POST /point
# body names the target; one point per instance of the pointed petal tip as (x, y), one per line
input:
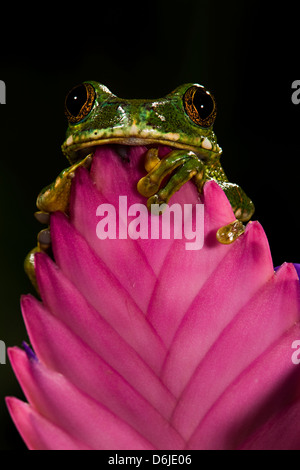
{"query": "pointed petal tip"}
(257, 236)
(43, 263)
(18, 411)
(217, 207)
(21, 414)
(20, 362)
(28, 302)
(37, 432)
(16, 407)
(213, 191)
(287, 269)
(14, 353)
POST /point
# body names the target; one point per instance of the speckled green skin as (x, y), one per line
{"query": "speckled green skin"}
(138, 122)
(160, 121)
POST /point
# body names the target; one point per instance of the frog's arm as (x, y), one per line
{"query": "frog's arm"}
(55, 197)
(191, 166)
(149, 186)
(241, 204)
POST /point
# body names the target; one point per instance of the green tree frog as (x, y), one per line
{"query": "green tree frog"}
(182, 120)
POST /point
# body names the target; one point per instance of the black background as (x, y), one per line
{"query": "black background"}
(245, 53)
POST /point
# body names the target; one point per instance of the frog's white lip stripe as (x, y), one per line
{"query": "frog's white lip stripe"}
(72, 148)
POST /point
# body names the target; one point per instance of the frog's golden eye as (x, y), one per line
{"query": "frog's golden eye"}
(79, 102)
(200, 106)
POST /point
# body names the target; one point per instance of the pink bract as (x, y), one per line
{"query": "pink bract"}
(143, 344)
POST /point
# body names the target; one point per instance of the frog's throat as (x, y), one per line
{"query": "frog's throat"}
(76, 150)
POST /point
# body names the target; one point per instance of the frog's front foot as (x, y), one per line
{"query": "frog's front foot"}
(243, 209)
(54, 197)
(152, 185)
(162, 181)
(230, 232)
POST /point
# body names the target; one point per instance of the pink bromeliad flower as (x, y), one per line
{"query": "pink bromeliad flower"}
(141, 343)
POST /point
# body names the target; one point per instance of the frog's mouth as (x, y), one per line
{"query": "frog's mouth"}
(123, 150)
(75, 151)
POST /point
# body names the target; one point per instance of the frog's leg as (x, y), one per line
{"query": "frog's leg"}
(242, 206)
(54, 197)
(188, 164)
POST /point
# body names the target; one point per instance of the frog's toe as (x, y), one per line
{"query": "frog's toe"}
(44, 240)
(56, 196)
(187, 171)
(149, 184)
(29, 267)
(230, 232)
(151, 158)
(245, 213)
(186, 164)
(42, 217)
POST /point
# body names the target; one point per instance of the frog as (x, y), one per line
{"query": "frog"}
(181, 120)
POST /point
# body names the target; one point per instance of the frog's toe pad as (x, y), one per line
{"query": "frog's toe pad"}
(29, 266)
(230, 232)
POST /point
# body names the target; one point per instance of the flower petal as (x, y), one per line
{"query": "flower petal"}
(281, 432)
(238, 345)
(263, 388)
(102, 290)
(56, 399)
(106, 165)
(123, 257)
(64, 301)
(245, 268)
(185, 272)
(78, 363)
(38, 432)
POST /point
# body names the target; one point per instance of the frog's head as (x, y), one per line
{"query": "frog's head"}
(182, 119)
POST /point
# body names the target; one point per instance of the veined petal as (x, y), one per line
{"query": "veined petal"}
(123, 257)
(56, 399)
(78, 363)
(64, 301)
(185, 272)
(102, 290)
(245, 268)
(273, 309)
(129, 172)
(38, 432)
(266, 386)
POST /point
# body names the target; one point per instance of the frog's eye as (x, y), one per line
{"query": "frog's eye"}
(200, 106)
(79, 102)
